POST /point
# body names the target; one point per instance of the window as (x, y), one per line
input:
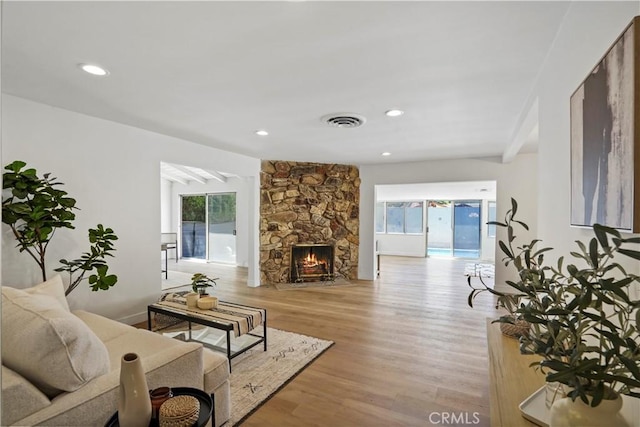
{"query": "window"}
(395, 217)
(491, 216)
(403, 217)
(413, 218)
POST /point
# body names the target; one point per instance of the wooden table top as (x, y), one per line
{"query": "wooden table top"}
(511, 378)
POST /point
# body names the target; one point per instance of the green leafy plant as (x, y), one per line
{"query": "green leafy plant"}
(584, 324)
(34, 208)
(200, 282)
(101, 240)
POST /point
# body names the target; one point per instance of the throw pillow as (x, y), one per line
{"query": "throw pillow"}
(47, 345)
(52, 287)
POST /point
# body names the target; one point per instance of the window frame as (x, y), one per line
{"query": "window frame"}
(495, 214)
(385, 217)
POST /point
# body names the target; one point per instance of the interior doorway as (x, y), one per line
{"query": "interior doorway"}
(452, 220)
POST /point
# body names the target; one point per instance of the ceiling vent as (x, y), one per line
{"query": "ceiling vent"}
(344, 120)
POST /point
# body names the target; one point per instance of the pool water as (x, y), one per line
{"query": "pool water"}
(457, 253)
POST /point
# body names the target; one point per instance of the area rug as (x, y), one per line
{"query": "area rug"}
(257, 374)
(305, 285)
(176, 279)
(474, 269)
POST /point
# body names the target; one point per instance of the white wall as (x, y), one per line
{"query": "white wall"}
(517, 179)
(165, 206)
(487, 244)
(113, 171)
(413, 245)
(587, 32)
(242, 188)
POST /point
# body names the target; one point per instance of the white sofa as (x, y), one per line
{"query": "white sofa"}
(91, 401)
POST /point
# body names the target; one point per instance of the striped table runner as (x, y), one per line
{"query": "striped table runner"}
(243, 318)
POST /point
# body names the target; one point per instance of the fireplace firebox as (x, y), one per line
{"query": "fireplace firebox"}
(311, 262)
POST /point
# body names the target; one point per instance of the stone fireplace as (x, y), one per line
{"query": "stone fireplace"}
(311, 262)
(305, 205)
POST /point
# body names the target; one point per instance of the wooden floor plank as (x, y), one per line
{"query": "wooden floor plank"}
(406, 345)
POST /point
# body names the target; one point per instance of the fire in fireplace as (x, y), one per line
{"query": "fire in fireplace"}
(311, 262)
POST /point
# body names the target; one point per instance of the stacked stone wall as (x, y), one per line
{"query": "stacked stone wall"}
(308, 203)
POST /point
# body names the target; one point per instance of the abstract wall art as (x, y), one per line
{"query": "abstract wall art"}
(605, 135)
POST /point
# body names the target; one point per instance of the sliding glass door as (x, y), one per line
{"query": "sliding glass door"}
(466, 229)
(209, 227)
(439, 222)
(221, 221)
(193, 222)
(454, 228)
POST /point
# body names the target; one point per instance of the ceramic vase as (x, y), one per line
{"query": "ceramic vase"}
(568, 413)
(134, 404)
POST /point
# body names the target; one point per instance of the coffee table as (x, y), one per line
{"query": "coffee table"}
(229, 317)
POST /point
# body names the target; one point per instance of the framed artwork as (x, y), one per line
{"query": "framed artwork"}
(605, 135)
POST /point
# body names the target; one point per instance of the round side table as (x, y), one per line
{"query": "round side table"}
(206, 407)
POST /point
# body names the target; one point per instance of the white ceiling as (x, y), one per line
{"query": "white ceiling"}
(187, 174)
(214, 72)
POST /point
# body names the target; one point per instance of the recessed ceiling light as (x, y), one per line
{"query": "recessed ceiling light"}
(386, 153)
(394, 113)
(93, 69)
(262, 132)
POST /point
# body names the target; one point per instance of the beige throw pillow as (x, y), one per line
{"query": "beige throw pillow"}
(52, 287)
(47, 345)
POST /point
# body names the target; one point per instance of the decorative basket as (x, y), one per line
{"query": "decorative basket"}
(207, 303)
(179, 411)
(515, 330)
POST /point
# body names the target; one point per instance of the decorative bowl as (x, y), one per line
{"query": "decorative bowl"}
(207, 303)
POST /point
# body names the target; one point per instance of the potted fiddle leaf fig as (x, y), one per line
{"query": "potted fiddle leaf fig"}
(35, 208)
(585, 324)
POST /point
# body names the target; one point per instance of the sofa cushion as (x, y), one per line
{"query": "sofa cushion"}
(47, 345)
(52, 287)
(105, 329)
(216, 369)
(19, 397)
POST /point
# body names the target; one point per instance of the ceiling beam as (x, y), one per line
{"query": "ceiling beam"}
(526, 123)
(218, 176)
(174, 179)
(192, 175)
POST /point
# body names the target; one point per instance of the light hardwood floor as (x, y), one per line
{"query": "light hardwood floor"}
(407, 346)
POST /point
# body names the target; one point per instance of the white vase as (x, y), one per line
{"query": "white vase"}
(568, 413)
(134, 403)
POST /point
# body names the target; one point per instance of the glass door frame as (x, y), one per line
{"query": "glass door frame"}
(235, 222)
(428, 228)
(181, 225)
(452, 228)
(453, 225)
(206, 222)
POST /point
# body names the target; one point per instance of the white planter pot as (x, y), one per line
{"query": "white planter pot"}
(568, 413)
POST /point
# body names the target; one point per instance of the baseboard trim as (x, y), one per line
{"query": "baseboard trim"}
(134, 318)
(407, 254)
